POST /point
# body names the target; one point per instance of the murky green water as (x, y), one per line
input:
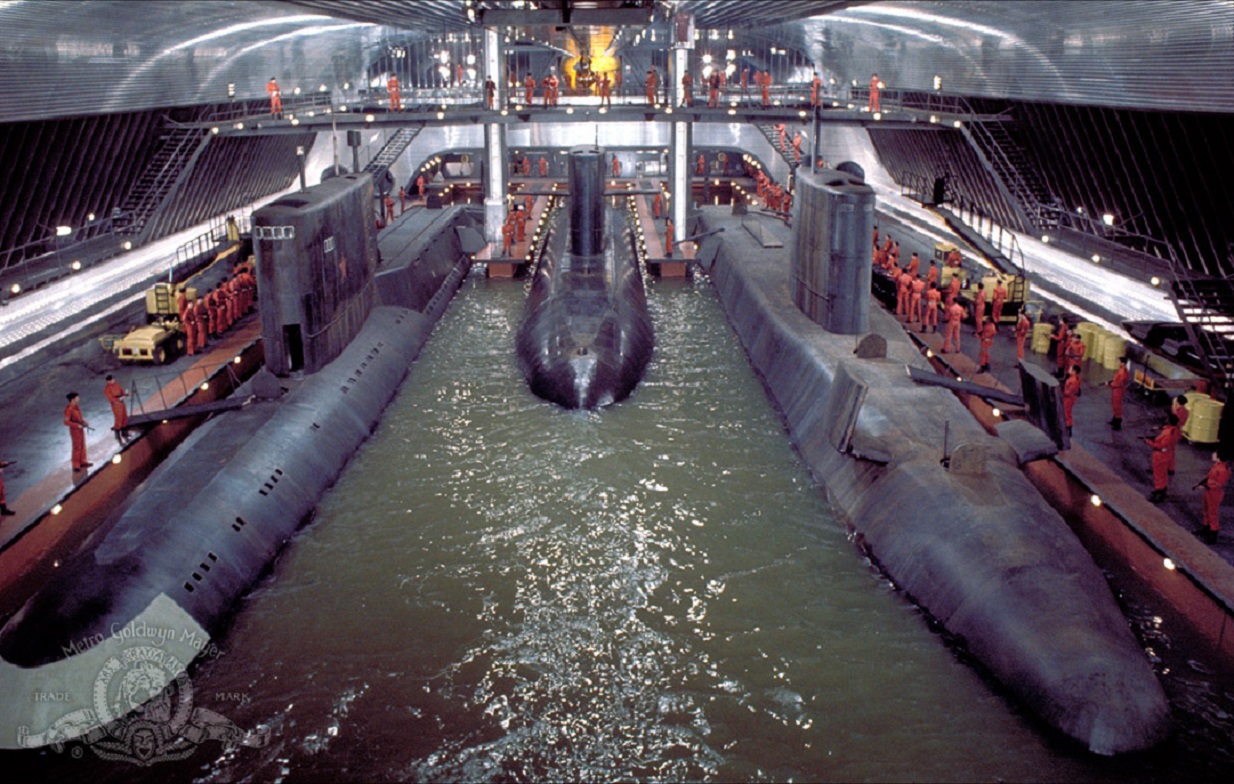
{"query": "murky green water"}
(498, 589)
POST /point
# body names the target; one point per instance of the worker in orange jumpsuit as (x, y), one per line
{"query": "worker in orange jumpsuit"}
(875, 86)
(953, 290)
(669, 231)
(988, 331)
(979, 309)
(999, 297)
(402, 200)
(529, 89)
(115, 395)
(389, 202)
(700, 166)
(1075, 351)
(1022, 327)
(77, 425)
(1163, 444)
(543, 166)
(932, 299)
(895, 253)
(546, 91)
(797, 147)
(490, 92)
(657, 205)
(1178, 407)
(526, 166)
(520, 225)
(182, 304)
(420, 186)
(1071, 393)
(1118, 388)
(1214, 490)
(904, 284)
(616, 166)
(931, 274)
(527, 202)
(955, 317)
(915, 292)
(765, 86)
(606, 91)
(507, 238)
(396, 95)
(783, 132)
(745, 83)
(914, 264)
(651, 87)
(4, 507)
(687, 89)
(713, 90)
(954, 259)
(276, 97)
(188, 322)
(1060, 337)
(815, 83)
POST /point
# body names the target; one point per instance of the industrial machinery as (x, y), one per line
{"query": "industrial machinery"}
(162, 338)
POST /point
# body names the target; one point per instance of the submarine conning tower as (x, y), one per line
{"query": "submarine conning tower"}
(586, 201)
(316, 257)
(832, 273)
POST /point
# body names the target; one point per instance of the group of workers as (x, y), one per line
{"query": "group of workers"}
(513, 230)
(550, 89)
(209, 316)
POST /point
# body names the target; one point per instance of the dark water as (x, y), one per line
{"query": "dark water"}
(498, 589)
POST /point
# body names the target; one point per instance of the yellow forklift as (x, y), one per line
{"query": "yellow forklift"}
(161, 339)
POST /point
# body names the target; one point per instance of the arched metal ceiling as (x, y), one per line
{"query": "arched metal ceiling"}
(75, 57)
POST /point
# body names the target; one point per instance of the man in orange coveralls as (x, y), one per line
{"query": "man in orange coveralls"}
(77, 425)
(396, 94)
(276, 97)
(1214, 490)
(1071, 393)
(1163, 446)
(955, 315)
(115, 395)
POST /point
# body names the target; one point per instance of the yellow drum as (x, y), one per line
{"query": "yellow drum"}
(1114, 348)
(1041, 337)
(1205, 418)
(1094, 347)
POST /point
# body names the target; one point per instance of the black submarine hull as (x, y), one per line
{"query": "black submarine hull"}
(587, 337)
(163, 575)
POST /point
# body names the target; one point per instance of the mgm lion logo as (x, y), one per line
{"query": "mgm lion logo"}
(143, 713)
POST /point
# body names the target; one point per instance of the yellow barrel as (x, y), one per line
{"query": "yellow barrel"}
(1094, 348)
(1205, 418)
(1041, 337)
(1193, 400)
(1114, 348)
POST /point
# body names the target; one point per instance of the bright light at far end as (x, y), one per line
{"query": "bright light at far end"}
(1045, 239)
(1107, 218)
(1095, 500)
(76, 265)
(115, 459)
(1096, 258)
(369, 118)
(1156, 281)
(878, 115)
(1168, 564)
(64, 231)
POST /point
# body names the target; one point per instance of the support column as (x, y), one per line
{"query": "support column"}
(494, 142)
(679, 167)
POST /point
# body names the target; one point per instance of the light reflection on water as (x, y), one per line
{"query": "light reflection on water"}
(500, 589)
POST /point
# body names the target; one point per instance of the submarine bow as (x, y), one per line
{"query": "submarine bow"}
(586, 338)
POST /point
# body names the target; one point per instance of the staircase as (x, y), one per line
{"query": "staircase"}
(390, 152)
(177, 152)
(773, 137)
(1205, 305)
(1007, 160)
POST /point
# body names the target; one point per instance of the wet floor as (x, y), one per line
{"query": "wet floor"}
(498, 589)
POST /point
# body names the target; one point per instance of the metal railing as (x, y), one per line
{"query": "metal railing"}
(1003, 240)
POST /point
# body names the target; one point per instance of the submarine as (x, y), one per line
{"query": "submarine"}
(146, 594)
(586, 336)
(940, 505)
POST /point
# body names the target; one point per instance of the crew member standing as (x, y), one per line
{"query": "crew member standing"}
(520, 225)
(657, 205)
(616, 166)
(1075, 351)
(276, 97)
(713, 90)
(1060, 337)
(979, 309)
(988, 331)
(420, 186)
(875, 86)
(389, 202)
(1071, 393)
(543, 166)
(606, 91)
(1000, 296)
(529, 89)
(1118, 388)
(1163, 445)
(915, 292)
(507, 238)
(930, 318)
(687, 89)
(396, 94)
(115, 395)
(955, 316)
(77, 425)
(668, 237)
(402, 200)
(490, 92)
(1213, 484)
(765, 85)
(815, 83)
(4, 509)
(651, 87)
(1022, 327)
(1178, 407)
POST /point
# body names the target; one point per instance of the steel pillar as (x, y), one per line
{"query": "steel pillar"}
(494, 143)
